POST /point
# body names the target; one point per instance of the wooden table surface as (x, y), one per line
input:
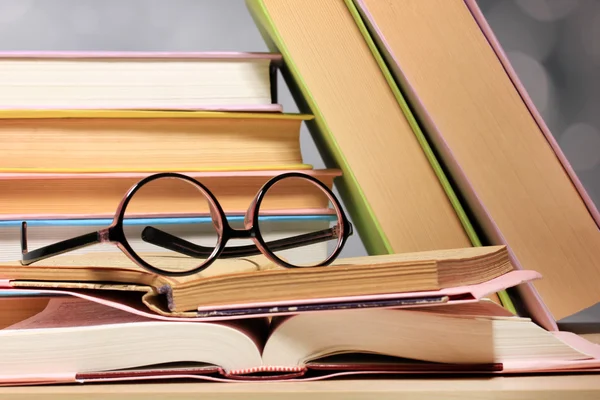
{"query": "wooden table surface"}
(570, 387)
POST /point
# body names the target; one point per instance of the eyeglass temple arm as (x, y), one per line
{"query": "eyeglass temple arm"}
(166, 240)
(29, 257)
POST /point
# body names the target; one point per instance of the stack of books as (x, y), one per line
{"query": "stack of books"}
(89, 126)
(467, 197)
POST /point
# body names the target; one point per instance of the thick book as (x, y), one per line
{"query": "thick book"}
(67, 340)
(512, 175)
(160, 141)
(236, 282)
(139, 80)
(26, 196)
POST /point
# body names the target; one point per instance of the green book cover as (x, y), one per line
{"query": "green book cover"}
(372, 236)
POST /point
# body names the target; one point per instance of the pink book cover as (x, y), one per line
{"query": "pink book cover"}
(276, 61)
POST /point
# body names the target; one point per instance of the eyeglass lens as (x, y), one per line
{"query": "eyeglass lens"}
(311, 227)
(177, 207)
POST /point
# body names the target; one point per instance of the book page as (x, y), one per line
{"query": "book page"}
(66, 311)
(71, 311)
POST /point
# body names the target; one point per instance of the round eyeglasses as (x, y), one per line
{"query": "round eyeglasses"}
(173, 225)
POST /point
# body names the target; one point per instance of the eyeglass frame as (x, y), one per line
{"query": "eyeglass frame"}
(115, 232)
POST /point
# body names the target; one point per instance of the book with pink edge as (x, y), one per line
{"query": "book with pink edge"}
(535, 303)
(554, 299)
(462, 334)
(216, 81)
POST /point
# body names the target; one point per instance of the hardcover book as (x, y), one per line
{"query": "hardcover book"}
(139, 80)
(199, 229)
(146, 141)
(511, 173)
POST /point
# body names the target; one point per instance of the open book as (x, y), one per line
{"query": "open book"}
(254, 280)
(62, 339)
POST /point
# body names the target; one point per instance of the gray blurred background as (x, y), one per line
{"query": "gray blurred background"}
(554, 46)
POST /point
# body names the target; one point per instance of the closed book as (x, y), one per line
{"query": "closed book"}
(198, 229)
(513, 177)
(159, 141)
(138, 80)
